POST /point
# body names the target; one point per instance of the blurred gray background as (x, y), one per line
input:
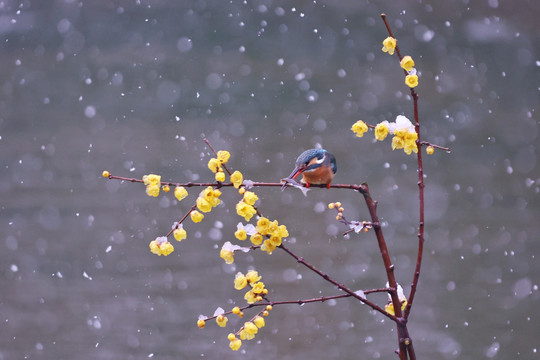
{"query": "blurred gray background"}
(133, 87)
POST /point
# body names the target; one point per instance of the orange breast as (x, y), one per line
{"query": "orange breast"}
(320, 175)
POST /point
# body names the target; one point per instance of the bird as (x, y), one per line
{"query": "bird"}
(317, 166)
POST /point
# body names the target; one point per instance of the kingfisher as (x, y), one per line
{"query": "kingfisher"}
(317, 166)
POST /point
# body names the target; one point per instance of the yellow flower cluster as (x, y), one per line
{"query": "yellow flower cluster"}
(245, 207)
(339, 208)
(405, 135)
(407, 64)
(161, 246)
(257, 290)
(153, 184)
(216, 164)
(273, 232)
(250, 328)
(359, 128)
(256, 293)
(208, 199)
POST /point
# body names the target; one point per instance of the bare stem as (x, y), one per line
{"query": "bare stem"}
(182, 220)
(320, 299)
(421, 186)
(338, 285)
(215, 153)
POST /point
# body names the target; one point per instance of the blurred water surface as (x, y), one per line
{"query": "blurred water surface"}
(133, 87)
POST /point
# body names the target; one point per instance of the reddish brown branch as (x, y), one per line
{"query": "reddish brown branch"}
(388, 266)
(254, 184)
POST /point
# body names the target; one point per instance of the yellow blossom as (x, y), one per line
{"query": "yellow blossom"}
(251, 328)
(275, 240)
(390, 307)
(154, 248)
(240, 234)
(221, 320)
(268, 246)
(223, 156)
(214, 165)
(152, 190)
(407, 63)
(411, 80)
(282, 231)
(203, 205)
(401, 132)
(166, 188)
(389, 45)
(256, 239)
(180, 193)
(245, 336)
(259, 321)
(179, 234)
(220, 176)
(245, 210)
(359, 128)
(236, 310)
(381, 131)
(211, 199)
(258, 287)
(227, 255)
(215, 201)
(237, 178)
(430, 150)
(235, 344)
(201, 323)
(252, 276)
(410, 137)
(106, 174)
(240, 281)
(152, 179)
(250, 297)
(397, 143)
(160, 246)
(410, 148)
(196, 216)
(262, 225)
(272, 226)
(250, 197)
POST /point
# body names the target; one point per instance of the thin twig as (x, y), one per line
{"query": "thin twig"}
(338, 285)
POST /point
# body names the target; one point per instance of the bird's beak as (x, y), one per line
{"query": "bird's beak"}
(297, 171)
